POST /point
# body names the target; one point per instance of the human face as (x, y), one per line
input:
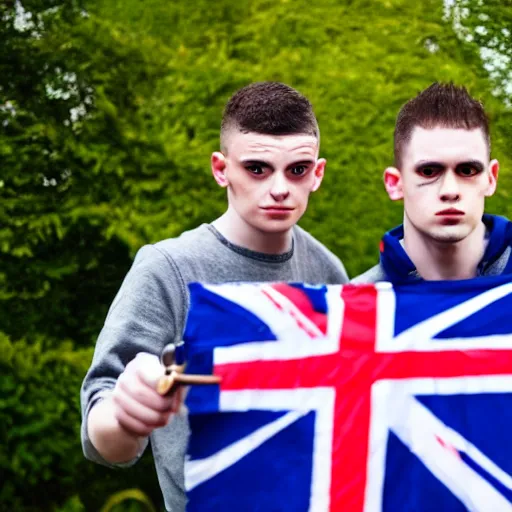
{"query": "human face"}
(444, 178)
(269, 178)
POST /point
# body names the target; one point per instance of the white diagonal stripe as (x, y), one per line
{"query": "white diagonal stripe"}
(289, 308)
(198, 471)
(292, 341)
(413, 337)
(417, 428)
(252, 298)
(320, 400)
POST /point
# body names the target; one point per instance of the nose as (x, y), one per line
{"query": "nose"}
(279, 187)
(449, 190)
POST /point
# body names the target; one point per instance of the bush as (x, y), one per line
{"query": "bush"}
(41, 461)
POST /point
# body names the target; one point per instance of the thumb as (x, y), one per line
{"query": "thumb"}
(149, 369)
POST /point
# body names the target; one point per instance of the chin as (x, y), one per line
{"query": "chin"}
(449, 235)
(284, 228)
(274, 227)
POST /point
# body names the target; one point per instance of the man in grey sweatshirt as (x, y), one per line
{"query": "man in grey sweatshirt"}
(269, 165)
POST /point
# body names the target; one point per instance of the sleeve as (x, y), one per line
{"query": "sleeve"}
(145, 315)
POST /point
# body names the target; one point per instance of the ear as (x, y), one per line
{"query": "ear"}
(218, 163)
(393, 183)
(494, 169)
(319, 174)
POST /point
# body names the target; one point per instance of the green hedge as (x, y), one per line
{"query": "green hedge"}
(41, 460)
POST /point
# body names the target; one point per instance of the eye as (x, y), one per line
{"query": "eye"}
(255, 169)
(467, 171)
(298, 170)
(428, 172)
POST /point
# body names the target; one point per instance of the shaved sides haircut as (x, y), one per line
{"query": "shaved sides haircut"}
(269, 108)
(442, 105)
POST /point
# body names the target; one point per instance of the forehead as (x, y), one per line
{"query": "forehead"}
(262, 146)
(448, 145)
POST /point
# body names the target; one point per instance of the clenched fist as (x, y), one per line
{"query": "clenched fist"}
(138, 407)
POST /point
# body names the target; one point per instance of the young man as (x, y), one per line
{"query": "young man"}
(269, 165)
(443, 173)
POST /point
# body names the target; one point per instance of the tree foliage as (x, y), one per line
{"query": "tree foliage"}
(488, 26)
(109, 112)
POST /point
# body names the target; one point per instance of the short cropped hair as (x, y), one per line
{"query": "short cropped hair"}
(440, 105)
(269, 108)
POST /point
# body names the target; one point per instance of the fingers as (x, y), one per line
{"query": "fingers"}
(130, 384)
(137, 417)
(132, 425)
(138, 407)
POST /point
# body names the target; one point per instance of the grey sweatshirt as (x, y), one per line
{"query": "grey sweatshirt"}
(150, 309)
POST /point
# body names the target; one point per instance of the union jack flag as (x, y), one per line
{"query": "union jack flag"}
(351, 398)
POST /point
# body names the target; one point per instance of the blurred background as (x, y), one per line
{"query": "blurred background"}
(109, 111)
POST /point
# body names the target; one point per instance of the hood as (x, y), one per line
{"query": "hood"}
(399, 267)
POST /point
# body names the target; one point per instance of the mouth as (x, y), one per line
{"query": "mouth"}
(277, 209)
(450, 212)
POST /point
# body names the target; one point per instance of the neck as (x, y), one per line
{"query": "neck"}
(238, 232)
(436, 260)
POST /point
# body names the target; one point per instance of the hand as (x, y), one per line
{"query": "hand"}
(138, 407)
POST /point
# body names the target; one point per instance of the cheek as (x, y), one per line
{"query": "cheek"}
(484, 187)
(415, 194)
(475, 198)
(244, 187)
(419, 201)
(475, 190)
(301, 194)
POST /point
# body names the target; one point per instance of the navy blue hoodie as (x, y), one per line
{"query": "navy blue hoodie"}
(397, 267)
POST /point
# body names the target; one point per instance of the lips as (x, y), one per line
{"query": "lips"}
(450, 216)
(276, 208)
(450, 212)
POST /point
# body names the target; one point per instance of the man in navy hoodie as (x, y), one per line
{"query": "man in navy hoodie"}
(443, 173)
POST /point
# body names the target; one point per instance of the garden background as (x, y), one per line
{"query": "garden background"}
(109, 111)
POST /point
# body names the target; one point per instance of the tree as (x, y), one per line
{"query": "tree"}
(486, 28)
(70, 88)
(488, 25)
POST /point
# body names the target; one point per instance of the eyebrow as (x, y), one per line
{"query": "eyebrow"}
(471, 163)
(252, 161)
(428, 163)
(301, 162)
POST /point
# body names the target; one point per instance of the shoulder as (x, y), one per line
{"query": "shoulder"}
(187, 241)
(162, 260)
(499, 266)
(307, 241)
(188, 246)
(156, 278)
(373, 275)
(308, 247)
